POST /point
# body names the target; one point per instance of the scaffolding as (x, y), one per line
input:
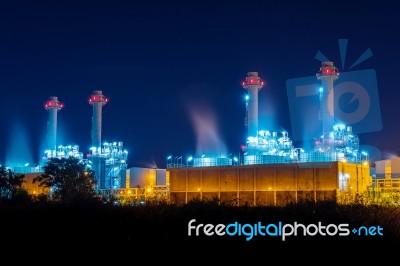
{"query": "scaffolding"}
(109, 163)
(64, 152)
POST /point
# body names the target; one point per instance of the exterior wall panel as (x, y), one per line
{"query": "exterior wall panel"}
(268, 184)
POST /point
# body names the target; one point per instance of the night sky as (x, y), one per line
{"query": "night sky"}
(173, 69)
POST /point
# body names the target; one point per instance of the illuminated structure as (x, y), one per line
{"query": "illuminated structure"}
(337, 142)
(97, 100)
(252, 84)
(52, 106)
(270, 148)
(272, 171)
(107, 160)
(269, 184)
(262, 146)
(110, 164)
(65, 152)
(340, 145)
(386, 183)
(328, 73)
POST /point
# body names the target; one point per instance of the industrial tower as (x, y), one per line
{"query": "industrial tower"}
(52, 106)
(328, 73)
(252, 84)
(108, 160)
(97, 100)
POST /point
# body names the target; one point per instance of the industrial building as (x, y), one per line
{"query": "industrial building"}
(271, 170)
(107, 159)
(268, 184)
(387, 175)
(143, 184)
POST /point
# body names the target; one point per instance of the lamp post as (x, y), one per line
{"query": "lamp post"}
(169, 159)
(366, 157)
(176, 161)
(189, 160)
(298, 151)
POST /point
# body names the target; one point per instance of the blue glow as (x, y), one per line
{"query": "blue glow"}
(247, 97)
(321, 89)
(339, 127)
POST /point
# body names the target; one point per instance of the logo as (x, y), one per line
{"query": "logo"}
(281, 230)
(355, 99)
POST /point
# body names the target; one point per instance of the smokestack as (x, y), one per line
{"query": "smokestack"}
(252, 84)
(97, 100)
(52, 106)
(328, 73)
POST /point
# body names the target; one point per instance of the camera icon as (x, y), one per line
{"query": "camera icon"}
(356, 103)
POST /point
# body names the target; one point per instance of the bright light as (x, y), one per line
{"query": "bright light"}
(235, 159)
(364, 153)
(190, 158)
(27, 164)
(339, 127)
(321, 89)
(203, 156)
(247, 97)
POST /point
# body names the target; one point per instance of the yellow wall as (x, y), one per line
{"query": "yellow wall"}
(277, 184)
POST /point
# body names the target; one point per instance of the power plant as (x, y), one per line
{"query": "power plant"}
(269, 169)
(273, 171)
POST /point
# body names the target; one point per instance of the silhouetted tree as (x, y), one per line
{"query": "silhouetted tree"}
(10, 184)
(68, 180)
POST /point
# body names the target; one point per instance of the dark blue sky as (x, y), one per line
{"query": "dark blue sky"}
(156, 61)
